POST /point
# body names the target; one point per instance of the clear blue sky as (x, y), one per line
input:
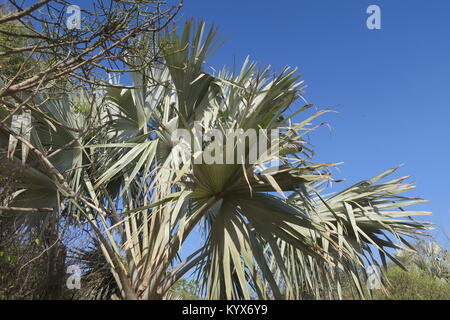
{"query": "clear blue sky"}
(390, 86)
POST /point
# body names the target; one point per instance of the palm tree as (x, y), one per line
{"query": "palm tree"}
(109, 161)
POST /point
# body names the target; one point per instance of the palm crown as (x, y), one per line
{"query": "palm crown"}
(269, 231)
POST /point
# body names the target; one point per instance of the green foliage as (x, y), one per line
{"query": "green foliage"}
(13, 62)
(425, 277)
(413, 285)
(429, 257)
(184, 289)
